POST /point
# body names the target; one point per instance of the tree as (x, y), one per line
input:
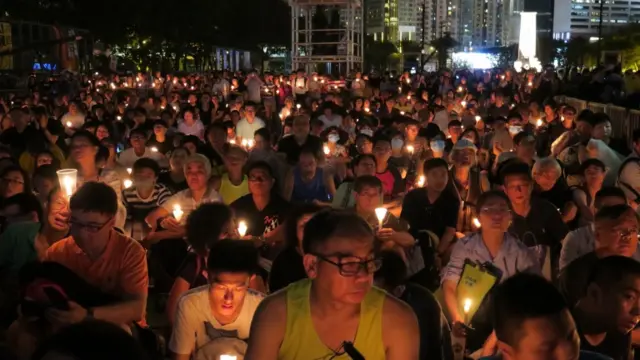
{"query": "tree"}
(578, 49)
(378, 53)
(442, 46)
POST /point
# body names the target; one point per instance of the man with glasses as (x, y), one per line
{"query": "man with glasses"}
(336, 311)
(616, 233)
(215, 319)
(139, 150)
(247, 126)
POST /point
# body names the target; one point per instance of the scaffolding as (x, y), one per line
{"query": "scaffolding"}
(311, 53)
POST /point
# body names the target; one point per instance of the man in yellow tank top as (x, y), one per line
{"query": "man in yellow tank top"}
(320, 317)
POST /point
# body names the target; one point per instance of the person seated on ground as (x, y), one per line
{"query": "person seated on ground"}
(364, 164)
(532, 322)
(582, 240)
(308, 181)
(287, 267)
(98, 257)
(616, 233)
(205, 225)
(91, 340)
(145, 194)
(609, 308)
(22, 207)
(45, 179)
(216, 319)
(435, 341)
(492, 246)
(550, 185)
(233, 184)
(303, 321)
(592, 171)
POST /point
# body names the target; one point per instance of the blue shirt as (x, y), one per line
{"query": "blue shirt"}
(246, 130)
(514, 257)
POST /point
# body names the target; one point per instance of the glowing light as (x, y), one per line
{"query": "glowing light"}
(129, 170)
(326, 150)
(127, 183)
(381, 213)
(242, 228)
(68, 179)
(177, 212)
(478, 118)
(154, 149)
(410, 149)
(476, 223)
(539, 123)
(421, 181)
(466, 307)
(69, 124)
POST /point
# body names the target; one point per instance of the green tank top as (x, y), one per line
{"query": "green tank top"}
(230, 192)
(302, 342)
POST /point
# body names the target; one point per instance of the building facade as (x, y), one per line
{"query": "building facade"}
(581, 18)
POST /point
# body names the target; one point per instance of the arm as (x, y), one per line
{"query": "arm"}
(288, 186)
(155, 215)
(402, 340)
(451, 276)
(446, 240)
(451, 300)
(183, 334)
(580, 199)
(329, 183)
(268, 328)
(180, 286)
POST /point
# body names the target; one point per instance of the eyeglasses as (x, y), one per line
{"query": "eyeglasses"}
(352, 268)
(624, 234)
(495, 210)
(259, 179)
(13, 181)
(91, 228)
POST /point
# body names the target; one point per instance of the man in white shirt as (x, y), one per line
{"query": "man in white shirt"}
(330, 119)
(215, 319)
(139, 150)
(248, 125)
(300, 86)
(254, 85)
(629, 176)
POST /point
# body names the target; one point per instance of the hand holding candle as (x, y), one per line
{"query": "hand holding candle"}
(381, 213)
(68, 179)
(242, 228)
(177, 212)
(421, 181)
(410, 149)
(466, 307)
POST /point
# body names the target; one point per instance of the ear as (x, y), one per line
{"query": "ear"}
(506, 350)
(310, 263)
(594, 292)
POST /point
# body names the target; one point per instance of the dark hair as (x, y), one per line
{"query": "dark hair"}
(517, 140)
(515, 168)
(87, 135)
(599, 118)
(611, 270)
(380, 138)
(521, 297)
(291, 223)
(260, 165)
(393, 271)
(47, 172)
(361, 157)
(453, 123)
(264, 133)
(585, 115)
(233, 255)
(92, 340)
(25, 177)
(26, 201)
(330, 223)
(191, 139)
(613, 212)
(147, 163)
(636, 135)
(95, 197)
(592, 162)
(609, 191)
(489, 195)
(205, 225)
(434, 164)
(366, 181)
(161, 123)
(138, 131)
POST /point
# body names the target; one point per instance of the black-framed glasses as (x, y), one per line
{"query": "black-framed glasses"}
(624, 234)
(91, 228)
(352, 268)
(13, 181)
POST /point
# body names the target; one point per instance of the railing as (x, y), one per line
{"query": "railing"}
(623, 120)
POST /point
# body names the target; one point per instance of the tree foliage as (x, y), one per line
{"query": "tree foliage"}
(442, 46)
(151, 31)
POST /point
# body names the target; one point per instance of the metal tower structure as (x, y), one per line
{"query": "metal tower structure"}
(309, 52)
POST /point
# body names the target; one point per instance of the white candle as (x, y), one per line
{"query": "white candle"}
(228, 357)
(466, 307)
(154, 149)
(476, 223)
(298, 106)
(381, 213)
(401, 112)
(242, 228)
(127, 183)
(410, 149)
(69, 124)
(463, 103)
(421, 181)
(68, 179)
(177, 212)
(250, 143)
(118, 117)
(129, 170)
(539, 123)
(326, 150)
(478, 118)
(367, 109)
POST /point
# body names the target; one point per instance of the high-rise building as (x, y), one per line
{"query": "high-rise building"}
(395, 20)
(581, 18)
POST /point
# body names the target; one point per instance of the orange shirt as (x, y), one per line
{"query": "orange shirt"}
(120, 270)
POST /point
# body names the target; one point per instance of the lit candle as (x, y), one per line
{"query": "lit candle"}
(298, 106)
(127, 183)
(476, 223)
(326, 150)
(250, 143)
(478, 118)
(408, 81)
(228, 357)
(401, 112)
(69, 124)
(399, 88)
(175, 80)
(129, 170)
(154, 149)
(463, 103)
(530, 84)
(322, 81)
(68, 179)
(459, 88)
(177, 212)
(357, 80)
(175, 107)
(466, 307)
(381, 213)
(410, 149)
(539, 123)
(367, 109)
(244, 142)
(315, 78)
(421, 181)
(113, 86)
(232, 141)
(502, 77)
(408, 97)
(242, 228)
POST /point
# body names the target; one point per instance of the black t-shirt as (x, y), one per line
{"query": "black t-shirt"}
(263, 221)
(423, 215)
(542, 226)
(558, 195)
(291, 148)
(166, 180)
(615, 345)
(286, 269)
(574, 278)
(18, 141)
(192, 270)
(163, 147)
(430, 131)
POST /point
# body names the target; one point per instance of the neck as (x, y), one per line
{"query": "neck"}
(261, 200)
(139, 151)
(88, 170)
(198, 194)
(381, 167)
(177, 174)
(592, 329)
(432, 194)
(49, 236)
(160, 138)
(144, 193)
(523, 208)
(236, 177)
(322, 304)
(493, 241)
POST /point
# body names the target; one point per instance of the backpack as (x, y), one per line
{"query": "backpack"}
(624, 185)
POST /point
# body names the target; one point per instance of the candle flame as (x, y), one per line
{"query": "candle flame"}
(381, 213)
(242, 228)
(467, 305)
(127, 183)
(476, 222)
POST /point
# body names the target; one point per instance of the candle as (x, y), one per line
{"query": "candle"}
(367, 109)
(242, 228)
(298, 106)
(232, 141)
(129, 170)
(315, 78)
(476, 223)
(381, 213)
(127, 183)
(326, 150)
(154, 149)
(68, 179)
(410, 149)
(399, 88)
(228, 357)
(357, 80)
(478, 118)
(459, 88)
(408, 97)
(421, 181)
(177, 212)
(401, 112)
(530, 84)
(408, 81)
(539, 123)
(466, 307)
(69, 124)
(463, 103)
(250, 143)
(244, 142)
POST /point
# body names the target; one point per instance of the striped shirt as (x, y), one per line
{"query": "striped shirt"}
(137, 207)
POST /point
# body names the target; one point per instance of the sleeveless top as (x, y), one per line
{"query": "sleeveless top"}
(301, 340)
(230, 192)
(307, 192)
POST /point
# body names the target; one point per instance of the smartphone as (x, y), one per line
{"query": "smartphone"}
(58, 300)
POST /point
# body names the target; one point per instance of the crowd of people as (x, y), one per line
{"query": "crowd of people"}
(235, 215)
